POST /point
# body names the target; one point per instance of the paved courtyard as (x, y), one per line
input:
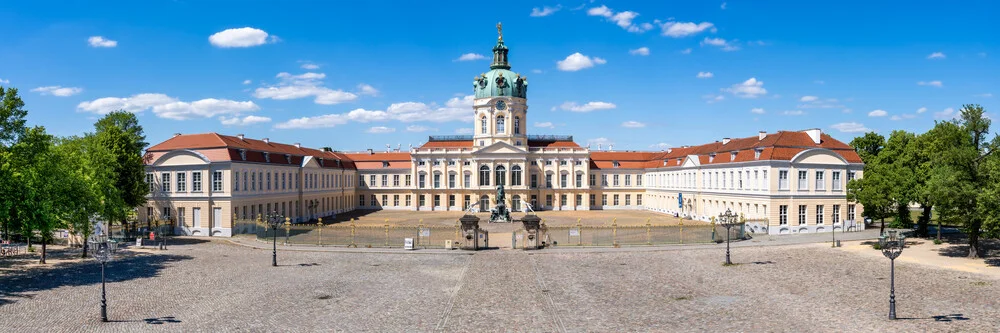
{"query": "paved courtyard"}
(220, 286)
(551, 218)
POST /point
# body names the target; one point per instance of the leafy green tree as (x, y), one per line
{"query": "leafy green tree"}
(874, 189)
(88, 180)
(40, 175)
(121, 135)
(12, 115)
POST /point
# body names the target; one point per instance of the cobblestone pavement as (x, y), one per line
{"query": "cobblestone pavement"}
(218, 286)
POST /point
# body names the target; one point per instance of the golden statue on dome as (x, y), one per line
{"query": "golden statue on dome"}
(500, 31)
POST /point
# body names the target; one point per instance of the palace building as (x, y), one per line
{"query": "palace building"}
(796, 180)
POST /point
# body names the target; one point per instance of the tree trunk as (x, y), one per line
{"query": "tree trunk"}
(939, 229)
(925, 220)
(85, 248)
(43, 253)
(974, 240)
(882, 230)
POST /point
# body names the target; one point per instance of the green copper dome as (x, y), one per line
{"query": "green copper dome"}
(500, 80)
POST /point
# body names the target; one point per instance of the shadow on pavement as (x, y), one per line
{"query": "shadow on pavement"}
(129, 265)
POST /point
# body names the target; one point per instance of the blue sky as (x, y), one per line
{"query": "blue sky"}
(642, 75)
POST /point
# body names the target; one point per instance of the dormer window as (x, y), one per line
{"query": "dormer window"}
(711, 158)
(756, 153)
(732, 156)
(243, 154)
(267, 157)
(338, 163)
(678, 161)
(385, 164)
(288, 158)
(320, 162)
(614, 164)
(665, 162)
(421, 163)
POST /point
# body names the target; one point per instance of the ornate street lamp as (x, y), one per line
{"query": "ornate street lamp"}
(728, 220)
(892, 244)
(102, 249)
(274, 220)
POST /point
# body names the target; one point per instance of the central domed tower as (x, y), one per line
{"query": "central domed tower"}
(501, 102)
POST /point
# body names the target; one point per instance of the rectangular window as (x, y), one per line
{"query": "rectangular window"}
(562, 181)
(217, 181)
(268, 181)
(451, 200)
(361, 181)
(165, 180)
(628, 199)
(604, 180)
(628, 180)
(451, 181)
(375, 201)
(579, 200)
(638, 199)
(361, 200)
(166, 213)
(371, 180)
(420, 180)
(395, 180)
(421, 201)
(437, 181)
(534, 181)
(466, 202)
(851, 175)
(593, 180)
(836, 181)
(236, 182)
(803, 180)
(437, 200)
(802, 214)
(260, 180)
(579, 180)
(548, 180)
(467, 181)
(604, 199)
(783, 180)
(253, 181)
(850, 212)
(615, 180)
(638, 180)
(836, 214)
(407, 184)
(592, 198)
(182, 182)
(616, 199)
(820, 184)
(548, 200)
(385, 180)
(562, 200)
(196, 181)
(150, 182)
(407, 200)
(284, 181)
(783, 214)
(819, 214)
(385, 200)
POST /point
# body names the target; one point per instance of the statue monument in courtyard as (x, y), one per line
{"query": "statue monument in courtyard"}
(500, 212)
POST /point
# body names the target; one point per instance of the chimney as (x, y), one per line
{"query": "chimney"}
(388, 148)
(398, 146)
(371, 152)
(725, 141)
(298, 145)
(328, 149)
(600, 147)
(177, 134)
(814, 134)
(669, 150)
(240, 136)
(267, 140)
(761, 135)
(611, 147)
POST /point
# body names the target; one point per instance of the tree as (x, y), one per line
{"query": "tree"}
(87, 180)
(12, 115)
(874, 189)
(120, 134)
(964, 173)
(39, 173)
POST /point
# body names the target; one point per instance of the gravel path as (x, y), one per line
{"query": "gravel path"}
(221, 287)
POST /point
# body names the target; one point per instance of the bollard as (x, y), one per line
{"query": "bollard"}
(288, 228)
(319, 225)
(386, 235)
(649, 230)
(614, 232)
(681, 224)
(579, 228)
(353, 227)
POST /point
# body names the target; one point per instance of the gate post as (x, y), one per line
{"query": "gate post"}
(353, 244)
(614, 232)
(579, 237)
(649, 229)
(386, 232)
(319, 225)
(681, 224)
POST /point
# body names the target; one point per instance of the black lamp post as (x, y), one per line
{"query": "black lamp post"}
(728, 220)
(102, 249)
(274, 220)
(892, 244)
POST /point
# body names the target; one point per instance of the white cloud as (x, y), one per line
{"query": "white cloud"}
(895, 117)
(757, 110)
(455, 109)
(686, 51)
(470, 57)
(381, 130)
(931, 83)
(577, 61)
(58, 91)
(721, 43)
(100, 41)
(794, 113)
(304, 85)
(536, 71)
(247, 82)
(309, 66)
(168, 107)
(633, 124)
(545, 11)
(723, 6)
(643, 51)
(986, 95)
(750, 88)
(546, 124)
(602, 141)
(705, 75)
(878, 113)
(463, 130)
(936, 55)
(365, 89)
(851, 127)
(660, 146)
(922, 110)
(2, 81)
(248, 120)
(324, 121)
(590, 106)
(808, 99)
(713, 98)
(241, 37)
(684, 29)
(946, 114)
(419, 128)
(846, 111)
(621, 19)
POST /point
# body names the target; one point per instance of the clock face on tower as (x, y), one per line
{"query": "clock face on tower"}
(501, 105)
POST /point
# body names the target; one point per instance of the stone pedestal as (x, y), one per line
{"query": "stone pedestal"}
(534, 230)
(470, 233)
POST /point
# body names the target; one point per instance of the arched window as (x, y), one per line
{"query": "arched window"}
(501, 175)
(500, 124)
(515, 203)
(482, 124)
(517, 125)
(484, 176)
(484, 203)
(515, 175)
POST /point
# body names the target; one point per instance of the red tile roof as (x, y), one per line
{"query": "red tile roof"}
(254, 150)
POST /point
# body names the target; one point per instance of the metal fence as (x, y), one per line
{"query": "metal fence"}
(352, 235)
(633, 234)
